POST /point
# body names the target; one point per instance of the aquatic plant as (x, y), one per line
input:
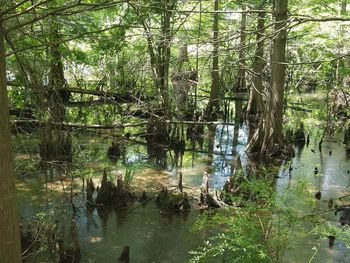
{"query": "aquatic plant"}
(264, 228)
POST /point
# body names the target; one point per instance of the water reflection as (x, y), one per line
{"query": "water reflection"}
(331, 181)
(151, 236)
(238, 121)
(154, 237)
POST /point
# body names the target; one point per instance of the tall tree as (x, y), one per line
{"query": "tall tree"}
(13, 15)
(344, 4)
(268, 139)
(213, 104)
(56, 80)
(10, 248)
(255, 103)
(241, 80)
(159, 44)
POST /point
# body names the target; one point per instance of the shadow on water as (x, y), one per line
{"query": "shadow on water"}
(325, 170)
(153, 237)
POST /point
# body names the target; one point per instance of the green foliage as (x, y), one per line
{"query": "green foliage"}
(262, 229)
(129, 175)
(16, 97)
(326, 230)
(131, 169)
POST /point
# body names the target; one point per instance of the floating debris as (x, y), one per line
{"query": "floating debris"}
(144, 198)
(318, 195)
(330, 203)
(125, 255)
(331, 240)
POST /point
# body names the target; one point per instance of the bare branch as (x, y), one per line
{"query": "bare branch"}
(323, 19)
(38, 18)
(13, 8)
(27, 10)
(59, 11)
(15, 51)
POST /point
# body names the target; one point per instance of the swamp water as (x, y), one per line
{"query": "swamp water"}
(152, 236)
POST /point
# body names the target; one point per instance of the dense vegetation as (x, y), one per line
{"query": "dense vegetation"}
(165, 74)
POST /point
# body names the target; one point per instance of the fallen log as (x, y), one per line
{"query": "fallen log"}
(145, 114)
(296, 108)
(89, 103)
(69, 126)
(117, 97)
(23, 113)
(239, 97)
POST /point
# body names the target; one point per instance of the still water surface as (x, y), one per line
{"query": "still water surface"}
(154, 237)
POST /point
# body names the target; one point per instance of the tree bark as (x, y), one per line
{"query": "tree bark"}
(255, 104)
(213, 104)
(241, 80)
(344, 4)
(10, 248)
(165, 56)
(268, 139)
(57, 80)
(160, 51)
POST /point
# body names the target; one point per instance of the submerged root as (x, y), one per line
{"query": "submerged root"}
(125, 255)
(113, 195)
(172, 202)
(56, 145)
(207, 200)
(116, 150)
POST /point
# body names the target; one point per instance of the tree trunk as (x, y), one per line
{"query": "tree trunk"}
(213, 104)
(165, 57)
(57, 80)
(160, 52)
(153, 56)
(268, 140)
(255, 103)
(56, 144)
(183, 58)
(344, 4)
(241, 81)
(10, 248)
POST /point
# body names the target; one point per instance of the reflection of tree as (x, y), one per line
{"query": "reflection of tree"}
(120, 215)
(211, 140)
(238, 116)
(103, 214)
(90, 220)
(298, 149)
(54, 172)
(157, 153)
(179, 145)
(195, 132)
(69, 248)
(157, 138)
